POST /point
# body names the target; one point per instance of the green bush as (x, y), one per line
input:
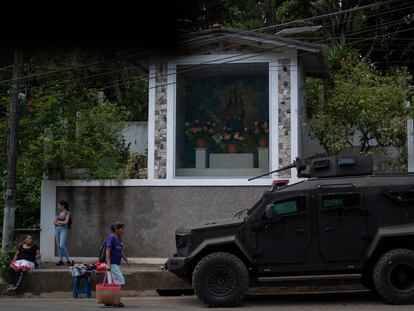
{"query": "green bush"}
(136, 166)
(5, 259)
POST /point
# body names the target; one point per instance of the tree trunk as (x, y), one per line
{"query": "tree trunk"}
(10, 194)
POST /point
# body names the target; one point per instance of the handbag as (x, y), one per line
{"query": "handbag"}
(108, 293)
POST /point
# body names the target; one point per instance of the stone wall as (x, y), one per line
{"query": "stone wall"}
(151, 214)
(284, 108)
(160, 131)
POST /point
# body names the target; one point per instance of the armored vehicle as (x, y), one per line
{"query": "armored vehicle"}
(342, 219)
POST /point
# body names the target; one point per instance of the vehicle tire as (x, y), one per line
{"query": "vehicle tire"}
(394, 276)
(220, 280)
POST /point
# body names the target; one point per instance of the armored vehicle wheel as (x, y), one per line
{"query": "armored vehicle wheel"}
(394, 276)
(220, 280)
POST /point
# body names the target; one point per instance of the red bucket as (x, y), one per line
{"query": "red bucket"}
(108, 293)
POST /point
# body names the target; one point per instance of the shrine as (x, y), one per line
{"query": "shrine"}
(228, 106)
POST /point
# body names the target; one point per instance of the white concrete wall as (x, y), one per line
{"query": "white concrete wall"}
(136, 134)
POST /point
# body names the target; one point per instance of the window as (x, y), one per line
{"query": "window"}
(341, 200)
(289, 206)
(401, 196)
(222, 121)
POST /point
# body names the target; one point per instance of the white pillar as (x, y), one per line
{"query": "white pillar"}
(47, 214)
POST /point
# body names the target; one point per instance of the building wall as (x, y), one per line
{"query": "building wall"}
(136, 136)
(151, 214)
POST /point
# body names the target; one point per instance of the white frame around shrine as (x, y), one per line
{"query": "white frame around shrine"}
(272, 60)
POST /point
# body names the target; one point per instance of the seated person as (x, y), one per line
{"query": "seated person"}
(23, 260)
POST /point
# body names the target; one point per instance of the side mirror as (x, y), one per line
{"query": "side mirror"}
(270, 212)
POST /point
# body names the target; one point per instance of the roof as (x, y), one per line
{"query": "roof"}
(390, 180)
(312, 56)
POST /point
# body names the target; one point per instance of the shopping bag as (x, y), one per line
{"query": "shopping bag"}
(22, 265)
(108, 293)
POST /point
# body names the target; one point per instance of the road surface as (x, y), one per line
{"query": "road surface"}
(304, 302)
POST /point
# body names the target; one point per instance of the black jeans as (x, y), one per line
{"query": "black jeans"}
(15, 277)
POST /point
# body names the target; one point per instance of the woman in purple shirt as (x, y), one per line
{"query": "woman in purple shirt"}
(114, 254)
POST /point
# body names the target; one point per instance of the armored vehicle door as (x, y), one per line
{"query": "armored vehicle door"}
(342, 225)
(284, 234)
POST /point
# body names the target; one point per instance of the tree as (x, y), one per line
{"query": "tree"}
(361, 107)
(70, 120)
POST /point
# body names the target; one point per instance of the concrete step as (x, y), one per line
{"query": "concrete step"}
(145, 279)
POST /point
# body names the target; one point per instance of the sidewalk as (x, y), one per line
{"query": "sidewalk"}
(146, 280)
(139, 278)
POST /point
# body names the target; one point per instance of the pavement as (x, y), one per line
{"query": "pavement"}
(148, 280)
(57, 279)
(359, 300)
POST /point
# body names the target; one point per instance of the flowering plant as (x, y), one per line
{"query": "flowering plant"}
(199, 129)
(260, 129)
(228, 136)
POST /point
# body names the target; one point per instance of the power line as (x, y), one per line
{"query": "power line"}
(250, 56)
(73, 68)
(92, 64)
(201, 65)
(273, 49)
(301, 20)
(227, 36)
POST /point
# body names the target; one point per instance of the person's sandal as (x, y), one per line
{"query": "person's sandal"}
(10, 288)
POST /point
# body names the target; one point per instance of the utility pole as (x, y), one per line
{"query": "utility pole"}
(10, 193)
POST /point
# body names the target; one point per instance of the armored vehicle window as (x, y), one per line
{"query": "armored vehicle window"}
(341, 200)
(288, 207)
(401, 196)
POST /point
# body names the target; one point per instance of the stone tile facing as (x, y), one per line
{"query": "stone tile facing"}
(160, 131)
(284, 108)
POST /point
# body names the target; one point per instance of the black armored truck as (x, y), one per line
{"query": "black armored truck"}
(341, 219)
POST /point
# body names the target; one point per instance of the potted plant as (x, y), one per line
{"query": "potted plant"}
(200, 132)
(261, 132)
(229, 140)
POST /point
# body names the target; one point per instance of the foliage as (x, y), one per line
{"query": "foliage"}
(362, 107)
(290, 10)
(136, 166)
(71, 122)
(199, 129)
(80, 133)
(380, 33)
(228, 136)
(5, 259)
(260, 129)
(136, 101)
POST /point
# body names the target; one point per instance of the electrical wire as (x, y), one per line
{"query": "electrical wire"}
(220, 38)
(101, 74)
(201, 65)
(303, 20)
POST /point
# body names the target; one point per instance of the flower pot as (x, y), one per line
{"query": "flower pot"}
(232, 148)
(263, 142)
(201, 142)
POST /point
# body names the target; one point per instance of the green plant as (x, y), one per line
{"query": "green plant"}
(228, 136)
(5, 260)
(136, 166)
(260, 129)
(361, 107)
(198, 129)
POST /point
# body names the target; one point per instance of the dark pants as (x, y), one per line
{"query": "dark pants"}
(15, 277)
